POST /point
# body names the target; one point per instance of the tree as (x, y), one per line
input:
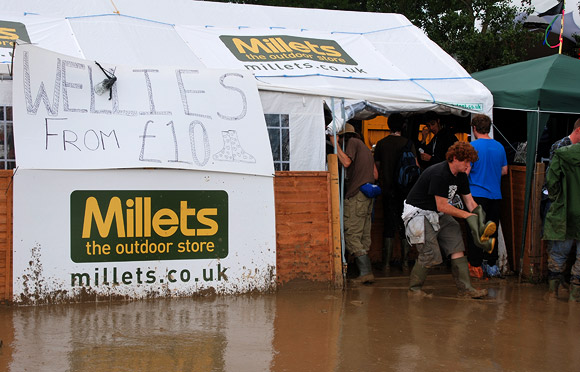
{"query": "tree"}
(479, 34)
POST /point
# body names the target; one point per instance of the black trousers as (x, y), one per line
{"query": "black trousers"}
(392, 211)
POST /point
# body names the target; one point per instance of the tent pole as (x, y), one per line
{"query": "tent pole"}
(342, 191)
(529, 178)
(341, 194)
(562, 26)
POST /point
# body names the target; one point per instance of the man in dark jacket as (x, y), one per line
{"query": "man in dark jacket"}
(442, 140)
(387, 154)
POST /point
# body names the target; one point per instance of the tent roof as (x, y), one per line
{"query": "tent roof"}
(550, 83)
(415, 74)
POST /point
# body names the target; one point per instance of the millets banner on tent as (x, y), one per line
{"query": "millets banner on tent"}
(266, 52)
(158, 117)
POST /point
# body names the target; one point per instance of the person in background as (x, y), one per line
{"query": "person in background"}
(442, 140)
(423, 144)
(563, 213)
(387, 152)
(485, 186)
(360, 169)
(571, 139)
(430, 220)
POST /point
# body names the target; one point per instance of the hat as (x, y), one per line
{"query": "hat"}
(348, 128)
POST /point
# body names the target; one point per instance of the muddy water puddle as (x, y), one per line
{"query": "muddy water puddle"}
(366, 328)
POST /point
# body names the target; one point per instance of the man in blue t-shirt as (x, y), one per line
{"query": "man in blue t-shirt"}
(485, 185)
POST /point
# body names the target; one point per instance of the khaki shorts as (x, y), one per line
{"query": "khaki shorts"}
(448, 239)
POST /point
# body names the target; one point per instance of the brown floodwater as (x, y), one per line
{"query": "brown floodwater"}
(366, 328)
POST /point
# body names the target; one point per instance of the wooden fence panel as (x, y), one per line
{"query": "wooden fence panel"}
(304, 248)
(512, 220)
(5, 235)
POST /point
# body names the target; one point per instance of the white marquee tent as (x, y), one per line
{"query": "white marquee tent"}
(321, 56)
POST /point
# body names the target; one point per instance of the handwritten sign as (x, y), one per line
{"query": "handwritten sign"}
(152, 117)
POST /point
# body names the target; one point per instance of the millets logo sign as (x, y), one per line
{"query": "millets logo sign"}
(9, 33)
(110, 226)
(12, 31)
(285, 48)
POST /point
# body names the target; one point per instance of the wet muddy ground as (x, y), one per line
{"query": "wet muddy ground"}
(366, 328)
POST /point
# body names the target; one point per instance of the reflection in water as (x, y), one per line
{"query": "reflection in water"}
(156, 335)
(366, 328)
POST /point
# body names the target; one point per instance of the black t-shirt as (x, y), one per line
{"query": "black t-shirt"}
(439, 145)
(438, 180)
(387, 152)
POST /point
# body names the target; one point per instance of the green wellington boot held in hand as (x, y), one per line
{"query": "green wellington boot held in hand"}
(486, 229)
(473, 223)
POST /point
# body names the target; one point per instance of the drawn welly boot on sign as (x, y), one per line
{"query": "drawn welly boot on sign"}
(232, 150)
(238, 151)
(225, 154)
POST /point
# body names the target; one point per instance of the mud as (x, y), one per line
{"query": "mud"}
(365, 328)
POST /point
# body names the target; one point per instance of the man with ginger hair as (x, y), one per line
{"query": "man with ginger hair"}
(430, 223)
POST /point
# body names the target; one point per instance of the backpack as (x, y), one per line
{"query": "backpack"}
(406, 170)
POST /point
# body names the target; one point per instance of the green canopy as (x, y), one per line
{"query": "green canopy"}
(548, 84)
(540, 86)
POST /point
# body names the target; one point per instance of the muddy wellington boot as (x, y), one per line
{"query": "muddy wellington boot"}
(489, 243)
(460, 272)
(574, 293)
(387, 254)
(365, 270)
(416, 280)
(553, 285)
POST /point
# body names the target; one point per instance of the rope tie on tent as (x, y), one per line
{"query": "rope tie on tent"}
(504, 137)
